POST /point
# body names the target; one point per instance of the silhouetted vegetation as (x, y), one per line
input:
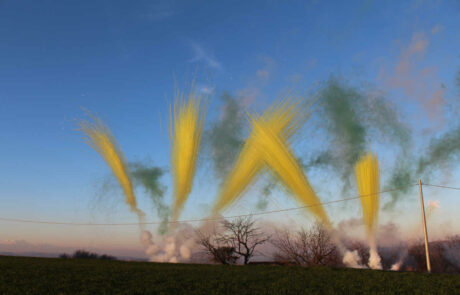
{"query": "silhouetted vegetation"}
(64, 256)
(445, 256)
(26, 275)
(83, 254)
(307, 247)
(238, 238)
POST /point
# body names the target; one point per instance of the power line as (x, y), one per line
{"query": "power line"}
(201, 219)
(442, 186)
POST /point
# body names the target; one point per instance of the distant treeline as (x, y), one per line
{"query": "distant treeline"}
(82, 254)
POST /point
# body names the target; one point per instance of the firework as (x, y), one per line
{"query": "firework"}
(284, 120)
(102, 141)
(367, 176)
(186, 126)
(281, 161)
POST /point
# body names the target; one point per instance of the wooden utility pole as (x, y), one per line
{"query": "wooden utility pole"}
(427, 250)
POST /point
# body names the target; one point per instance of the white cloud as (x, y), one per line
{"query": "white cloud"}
(200, 55)
(206, 89)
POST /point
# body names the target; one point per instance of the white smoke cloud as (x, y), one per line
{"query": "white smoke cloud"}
(432, 206)
(374, 259)
(352, 259)
(177, 246)
(402, 256)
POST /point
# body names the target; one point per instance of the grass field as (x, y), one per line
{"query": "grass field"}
(25, 275)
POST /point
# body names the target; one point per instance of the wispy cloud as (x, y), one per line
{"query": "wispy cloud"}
(418, 81)
(201, 55)
(206, 89)
(253, 89)
(158, 11)
(436, 29)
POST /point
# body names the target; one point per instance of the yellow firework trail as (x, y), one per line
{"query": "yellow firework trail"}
(101, 140)
(367, 176)
(186, 126)
(280, 160)
(284, 119)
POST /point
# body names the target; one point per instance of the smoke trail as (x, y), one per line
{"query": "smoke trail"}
(441, 151)
(353, 118)
(323, 159)
(102, 141)
(266, 191)
(149, 178)
(186, 126)
(284, 121)
(402, 177)
(279, 158)
(367, 177)
(383, 122)
(339, 105)
(225, 137)
(431, 207)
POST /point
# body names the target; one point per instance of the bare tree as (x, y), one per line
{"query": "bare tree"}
(307, 247)
(238, 238)
(243, 236)
(214, 247)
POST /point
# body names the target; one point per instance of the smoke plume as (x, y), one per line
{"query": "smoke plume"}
(225, 137)
(443, 150)
(149, 178)
(352, 259)
(401, 179)
(353, 118)
(178, 246)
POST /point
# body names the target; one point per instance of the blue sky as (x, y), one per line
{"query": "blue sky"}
(120, 59)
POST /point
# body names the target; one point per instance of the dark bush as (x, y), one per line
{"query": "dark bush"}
(83, 254)
(107, 257)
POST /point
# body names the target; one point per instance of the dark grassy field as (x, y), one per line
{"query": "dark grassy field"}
(24, 275)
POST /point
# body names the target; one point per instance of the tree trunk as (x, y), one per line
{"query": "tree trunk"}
(246, 260)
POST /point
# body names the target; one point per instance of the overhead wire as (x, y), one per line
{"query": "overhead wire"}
(204, 219)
